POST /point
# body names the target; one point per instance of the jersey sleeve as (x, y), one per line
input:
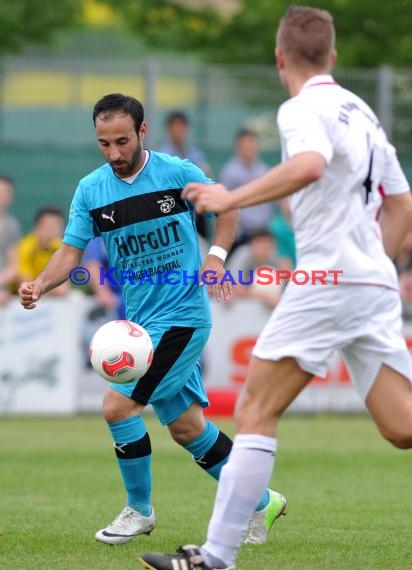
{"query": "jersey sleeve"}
(394, 180)
(93, 251)
(80, 228)
(195, 174)
(302, 130)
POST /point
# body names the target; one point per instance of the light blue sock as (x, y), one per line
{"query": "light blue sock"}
(264, 501)
(134, 454)
(211, 451)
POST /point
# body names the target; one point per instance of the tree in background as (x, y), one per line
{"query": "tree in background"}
(369, 33)
(24, 21)
(221, 31)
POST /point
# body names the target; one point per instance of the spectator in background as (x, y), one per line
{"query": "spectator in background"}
(177, 141)
(36, 248)
(243, 167)
(108, 294)
(177, 144)
(9, 236)
(260, 251)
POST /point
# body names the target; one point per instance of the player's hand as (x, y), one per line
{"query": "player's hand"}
(208, 197)
(213, 279)
(29, 293)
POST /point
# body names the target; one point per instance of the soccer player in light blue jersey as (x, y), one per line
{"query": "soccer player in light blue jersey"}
(134, 202)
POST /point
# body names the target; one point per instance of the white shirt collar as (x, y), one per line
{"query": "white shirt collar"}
(325, 79)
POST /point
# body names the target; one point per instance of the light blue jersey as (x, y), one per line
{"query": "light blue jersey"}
(149, 231)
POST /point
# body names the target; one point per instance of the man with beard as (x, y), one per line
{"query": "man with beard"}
(134, 202)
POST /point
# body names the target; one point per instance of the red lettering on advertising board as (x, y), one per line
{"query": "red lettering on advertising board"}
(240, 353)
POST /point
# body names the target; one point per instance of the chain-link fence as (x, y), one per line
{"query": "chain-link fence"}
(47, 139)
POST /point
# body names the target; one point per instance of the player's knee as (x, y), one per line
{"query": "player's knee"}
(112, 414)
(184, 434)
(401, 441)
(400, 438)
(113, 411)
(181, 437)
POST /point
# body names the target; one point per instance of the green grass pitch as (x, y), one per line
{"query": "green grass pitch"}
(349, 494)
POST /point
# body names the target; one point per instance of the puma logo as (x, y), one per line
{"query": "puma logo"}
(200, 460)
(106, 217)
(120, 446)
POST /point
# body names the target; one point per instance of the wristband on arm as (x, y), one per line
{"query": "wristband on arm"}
(218, 252)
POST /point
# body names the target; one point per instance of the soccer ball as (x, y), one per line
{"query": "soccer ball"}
(121, 351)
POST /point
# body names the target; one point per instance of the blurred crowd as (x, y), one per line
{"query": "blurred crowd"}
(264, 238)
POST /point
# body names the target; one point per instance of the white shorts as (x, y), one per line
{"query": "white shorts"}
(363, 322)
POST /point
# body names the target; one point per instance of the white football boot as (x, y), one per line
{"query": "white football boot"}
(128, 524)
(262, 521)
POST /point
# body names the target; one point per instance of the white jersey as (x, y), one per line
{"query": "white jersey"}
(335, 218)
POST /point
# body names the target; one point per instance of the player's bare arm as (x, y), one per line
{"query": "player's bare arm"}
(224, 236)
(395, 221)
(56, 272)
(281, 181)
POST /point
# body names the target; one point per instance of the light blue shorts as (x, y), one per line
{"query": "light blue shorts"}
(174, 380)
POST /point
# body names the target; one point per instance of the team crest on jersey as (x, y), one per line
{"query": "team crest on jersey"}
(167, 204)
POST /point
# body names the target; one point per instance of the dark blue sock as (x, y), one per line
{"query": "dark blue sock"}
(134, 454)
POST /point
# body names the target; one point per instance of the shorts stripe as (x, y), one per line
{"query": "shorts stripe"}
(171, 345)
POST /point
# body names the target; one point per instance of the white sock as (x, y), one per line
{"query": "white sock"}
(241, 484)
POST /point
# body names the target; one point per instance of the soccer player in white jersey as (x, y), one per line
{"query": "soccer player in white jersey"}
(337, 168)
